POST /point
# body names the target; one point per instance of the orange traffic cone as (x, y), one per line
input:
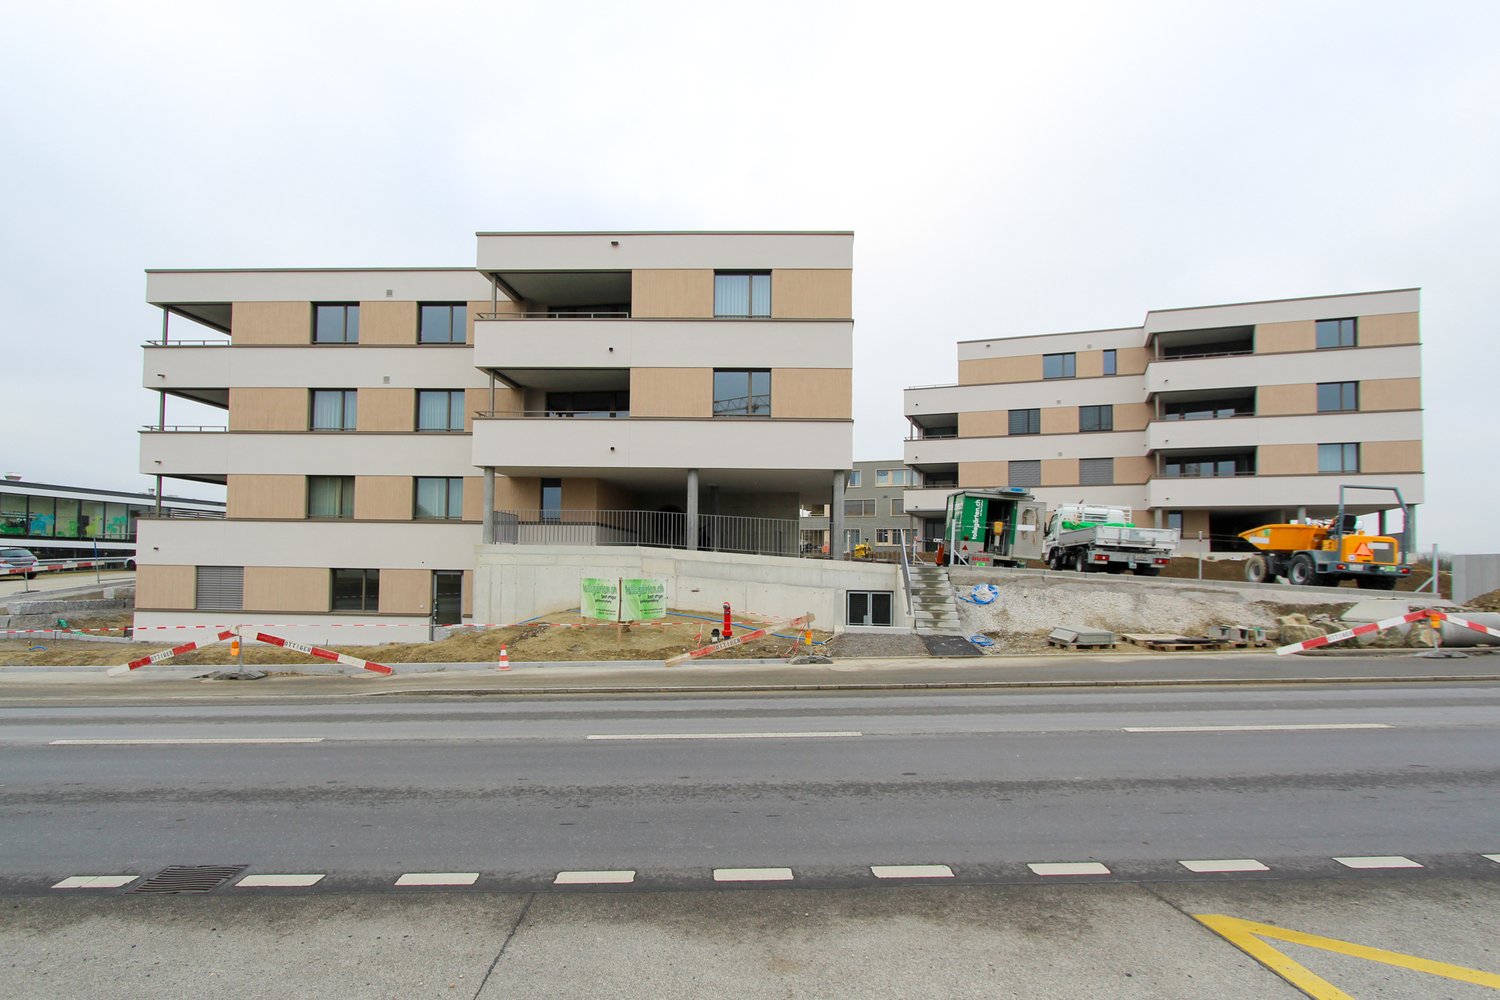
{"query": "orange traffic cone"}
(504, 658)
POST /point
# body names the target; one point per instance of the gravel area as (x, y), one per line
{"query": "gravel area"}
(1034, 605)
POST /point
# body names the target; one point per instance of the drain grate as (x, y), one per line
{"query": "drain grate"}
(190, 878)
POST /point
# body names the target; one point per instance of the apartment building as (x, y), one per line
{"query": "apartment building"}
(385, 427)
(1211, 419)
(874, 508)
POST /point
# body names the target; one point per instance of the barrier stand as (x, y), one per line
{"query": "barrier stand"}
(1433, 615)
(728, 623)
(744, 637)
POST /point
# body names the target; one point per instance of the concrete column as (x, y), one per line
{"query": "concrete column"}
(487, 535)
(1380, 523)
(692, 510)
(1302, 513)
(836, 518)
(1409, 533)
(1157, 513)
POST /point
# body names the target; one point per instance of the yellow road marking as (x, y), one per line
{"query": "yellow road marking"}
(1246, 935)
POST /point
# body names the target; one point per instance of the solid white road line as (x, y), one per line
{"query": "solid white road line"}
(723, 736)
(595, 878)
(911, 871)
(277, 881)
(1256, 729)
(1069, 868)
(752, 874)
(1227, 865)
(1393, 861)
(185, 742)
(1491, 857)
(438, 878)
(95, 881)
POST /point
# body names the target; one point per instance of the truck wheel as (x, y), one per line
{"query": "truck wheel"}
(1300, 572)
(1256, 569)
(1081, 561)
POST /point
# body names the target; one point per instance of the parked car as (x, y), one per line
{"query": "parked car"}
(17, 558)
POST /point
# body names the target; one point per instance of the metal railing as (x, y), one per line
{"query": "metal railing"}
(1239, 353)
(186, 428)
(181, 513)
(767, 536)
(551, 314)
(552, 414)
(223, 342)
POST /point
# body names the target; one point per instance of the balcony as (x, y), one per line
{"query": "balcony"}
(208, 457)
(190, 369)
(521, 347)
(927, 500)
(520, 443)
(1281, 492)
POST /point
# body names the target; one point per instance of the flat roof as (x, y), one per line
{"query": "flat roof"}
(23, 485)
(1294, 298)
(671, 232)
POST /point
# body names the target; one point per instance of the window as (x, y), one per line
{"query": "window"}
(336, 324)
(1338, 457)
(599, 403)
(1109, 362)
(440, 409)
(742, 393)
(1026, 421)
(356, 589)
(853, 479)
(334, 409)
(743, 294)
(898, 507)
(1028, 473)
(1336, 333)
(895, 477)
(440, 497)
(882, 536)
(869, 607)
(859, 508)
(1096, 418)
(1174, 520)
(1209, 466)
(1338, 397)
(219, 588)
(446, 323)
(1059, 365)
(1096, 471)
(330, 496)
(551, 499)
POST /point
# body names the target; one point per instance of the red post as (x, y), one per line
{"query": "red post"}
(728, 624)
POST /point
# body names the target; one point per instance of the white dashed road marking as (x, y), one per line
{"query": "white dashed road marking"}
(1256, 729)
(1393, 861)
(752, 874)
(277, 881)
(1069, 868)
(184, 742)
(595, 878)
(438, 878)
(95, 881)
(723, 736)
(1227, 865)
(911, 871)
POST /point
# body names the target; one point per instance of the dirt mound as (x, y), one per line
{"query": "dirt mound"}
(1485, 602)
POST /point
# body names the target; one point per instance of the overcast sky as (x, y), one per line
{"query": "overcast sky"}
(1007, 169)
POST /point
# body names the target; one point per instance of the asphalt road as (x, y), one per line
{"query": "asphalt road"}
(827, 785)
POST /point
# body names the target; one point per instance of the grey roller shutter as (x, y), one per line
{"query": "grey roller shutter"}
(1028, 473)
(220, 588)
(1096, 471)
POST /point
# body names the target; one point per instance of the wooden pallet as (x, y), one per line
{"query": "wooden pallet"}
(1061, 644)
(1166, 643)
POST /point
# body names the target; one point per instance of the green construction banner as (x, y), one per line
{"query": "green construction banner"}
(972, 525)
(599, 599)
(643, 600)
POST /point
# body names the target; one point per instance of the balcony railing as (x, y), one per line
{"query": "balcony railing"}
(551, 414)
(186, 428)
(221, 342)
(766, 536)
(547, 314)
(181, 514)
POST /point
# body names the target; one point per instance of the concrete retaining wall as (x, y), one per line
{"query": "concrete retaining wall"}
(516, 582)
(1474, 575)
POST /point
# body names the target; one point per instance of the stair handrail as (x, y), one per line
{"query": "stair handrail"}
(906, 575)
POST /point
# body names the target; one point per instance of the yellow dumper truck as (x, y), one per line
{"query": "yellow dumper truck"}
(1327, 553)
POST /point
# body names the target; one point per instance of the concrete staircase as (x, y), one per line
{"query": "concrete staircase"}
(933, 609)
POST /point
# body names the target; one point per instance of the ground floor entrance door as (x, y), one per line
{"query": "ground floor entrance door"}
(448, 597)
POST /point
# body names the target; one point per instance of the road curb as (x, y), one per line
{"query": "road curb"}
(921, 686)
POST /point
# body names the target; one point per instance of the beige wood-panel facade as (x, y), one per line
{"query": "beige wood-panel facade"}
(392, 323)
(812, 393)
(672, 392)
(672, 294)
(253, 409)
(812, 294)
(386, 410)
(1388, 330)
(287, 588)
(383, 498)
(166, 588)
(405, 591)
(1390, 456)
(262, 323)
(266, 497)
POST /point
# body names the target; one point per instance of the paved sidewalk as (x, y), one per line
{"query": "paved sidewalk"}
(476, 680)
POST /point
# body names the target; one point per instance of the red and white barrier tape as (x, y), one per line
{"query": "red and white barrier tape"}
(167, 654)
(324, 654)
(759, 633)
(1380, 626)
